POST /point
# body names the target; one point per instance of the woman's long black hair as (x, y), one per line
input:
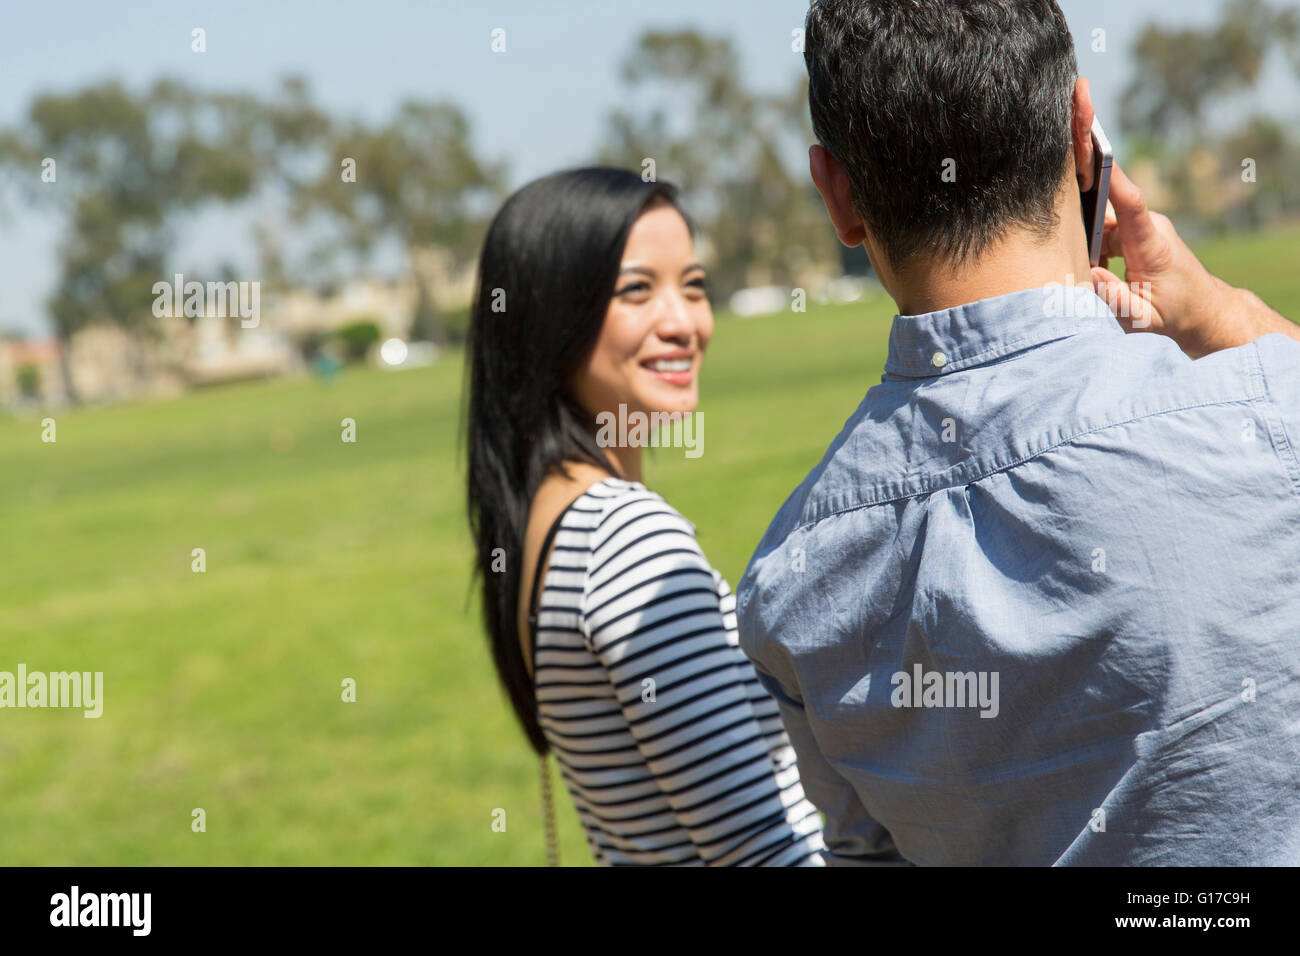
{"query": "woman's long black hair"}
(546, 276)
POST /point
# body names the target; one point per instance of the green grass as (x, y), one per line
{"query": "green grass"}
(1266, 263)
(326, 561)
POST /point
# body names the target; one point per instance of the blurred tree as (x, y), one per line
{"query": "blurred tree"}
(1273, 159)
(414, 182)
(1287, 30)
(731, 152)
(28, 377)
(290, 138)
(126, 166)
(358, 336)
(1181, 73)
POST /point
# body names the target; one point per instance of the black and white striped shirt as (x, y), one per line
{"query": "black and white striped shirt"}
(673, 753)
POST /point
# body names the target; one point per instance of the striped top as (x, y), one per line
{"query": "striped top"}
(672, 751)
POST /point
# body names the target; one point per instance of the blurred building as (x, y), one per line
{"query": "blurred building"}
(301, 312)
(30, 371)
(108, 362)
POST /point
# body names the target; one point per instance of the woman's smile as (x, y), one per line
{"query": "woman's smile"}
(674, 368)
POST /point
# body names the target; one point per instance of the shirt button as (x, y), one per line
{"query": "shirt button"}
(938, 360)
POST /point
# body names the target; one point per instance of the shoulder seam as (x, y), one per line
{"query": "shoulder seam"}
(805, 521)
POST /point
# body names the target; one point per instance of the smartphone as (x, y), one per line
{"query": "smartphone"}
(1094, 200)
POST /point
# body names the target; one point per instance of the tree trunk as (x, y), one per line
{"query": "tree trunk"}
(69, 386)
(427, 323)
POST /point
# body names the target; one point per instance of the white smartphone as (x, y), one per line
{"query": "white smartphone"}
(1094, 200)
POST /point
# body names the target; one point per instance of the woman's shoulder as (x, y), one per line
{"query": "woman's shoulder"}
(588, 508)
(634, 532)
(619, 506)
(563, 492)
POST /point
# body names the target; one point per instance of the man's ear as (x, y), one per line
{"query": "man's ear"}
(833, 183)
(1081, 131)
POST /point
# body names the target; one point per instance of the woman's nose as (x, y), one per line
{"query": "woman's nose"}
(674, 320)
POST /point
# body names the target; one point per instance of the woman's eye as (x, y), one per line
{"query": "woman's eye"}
(634, 287)
(701, 283)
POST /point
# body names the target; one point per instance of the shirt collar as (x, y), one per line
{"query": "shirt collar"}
(950, 340)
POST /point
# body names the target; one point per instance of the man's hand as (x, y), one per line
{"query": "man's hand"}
(1166, 289)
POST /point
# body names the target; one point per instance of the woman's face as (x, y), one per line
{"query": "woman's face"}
(657, 326)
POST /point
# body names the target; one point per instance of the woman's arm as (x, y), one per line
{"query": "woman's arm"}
(852, 836)
(652, 615)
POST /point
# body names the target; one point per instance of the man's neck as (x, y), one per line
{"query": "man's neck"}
(1015, 263)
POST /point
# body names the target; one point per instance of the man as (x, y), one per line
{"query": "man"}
(1040, 601)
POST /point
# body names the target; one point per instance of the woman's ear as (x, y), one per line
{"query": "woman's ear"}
(1081, 117)
(833, 183)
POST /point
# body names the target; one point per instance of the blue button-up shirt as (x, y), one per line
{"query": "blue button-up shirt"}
(1040, 601)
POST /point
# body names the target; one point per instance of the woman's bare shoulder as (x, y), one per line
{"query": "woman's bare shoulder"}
(556, 492)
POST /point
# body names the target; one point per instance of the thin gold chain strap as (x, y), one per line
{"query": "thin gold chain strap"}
(548, 814)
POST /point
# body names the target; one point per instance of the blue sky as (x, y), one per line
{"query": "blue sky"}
(540, 106)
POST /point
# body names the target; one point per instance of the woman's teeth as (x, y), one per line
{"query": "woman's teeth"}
(671, 365)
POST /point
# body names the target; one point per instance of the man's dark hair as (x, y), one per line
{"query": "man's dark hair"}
(899, 87)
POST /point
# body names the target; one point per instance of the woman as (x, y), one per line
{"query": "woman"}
(590, 298)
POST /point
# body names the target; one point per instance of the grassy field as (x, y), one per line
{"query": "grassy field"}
(328, 560)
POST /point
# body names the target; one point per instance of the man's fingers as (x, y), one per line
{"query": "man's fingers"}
(1131, 212)
(1107, 285)
(1131, 310)
(1110, 245)
(1119, 297)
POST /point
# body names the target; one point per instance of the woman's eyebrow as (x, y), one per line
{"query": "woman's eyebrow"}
(646, 270)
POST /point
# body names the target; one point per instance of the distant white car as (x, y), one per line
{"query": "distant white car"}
(395, 353)
(760, 300)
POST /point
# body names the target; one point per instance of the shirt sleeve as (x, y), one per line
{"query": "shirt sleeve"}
(652, 615)
(852, 836)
